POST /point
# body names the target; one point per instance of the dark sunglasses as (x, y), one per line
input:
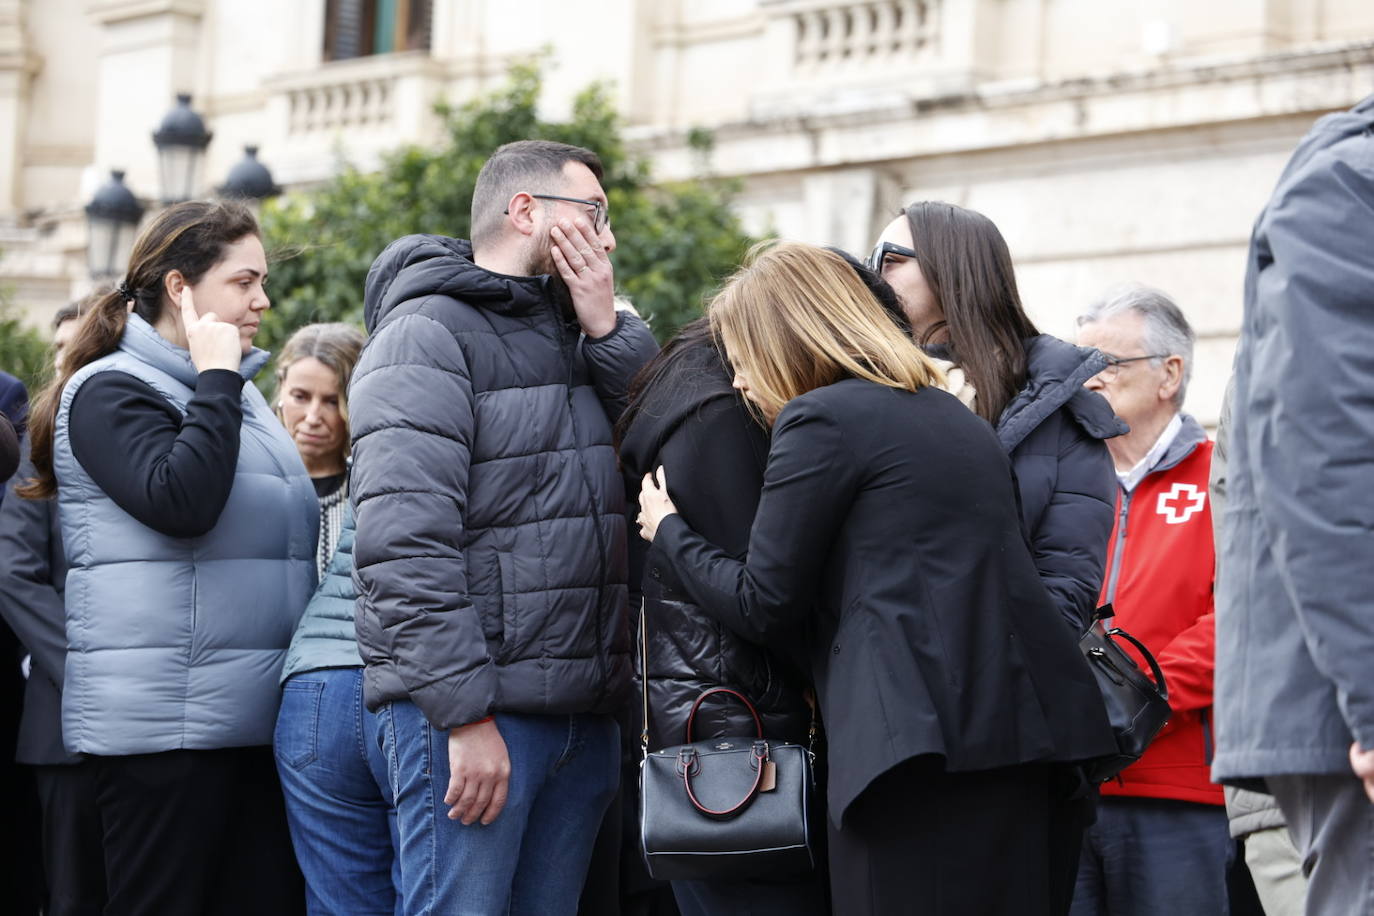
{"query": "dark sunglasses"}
(882, 250)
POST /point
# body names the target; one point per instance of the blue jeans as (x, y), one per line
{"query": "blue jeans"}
(333, 774)
(1154, 857)
(533, 858)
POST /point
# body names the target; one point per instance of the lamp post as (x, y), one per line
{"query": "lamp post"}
(249, 180)
(112, 220)
(181, 140)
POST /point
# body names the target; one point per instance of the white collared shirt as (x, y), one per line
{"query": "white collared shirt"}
(1129, 479)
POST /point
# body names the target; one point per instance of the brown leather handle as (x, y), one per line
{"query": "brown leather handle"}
(758, 723)
(759, 756)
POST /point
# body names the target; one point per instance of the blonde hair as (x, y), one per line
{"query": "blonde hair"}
(797, 317)
(335, 344)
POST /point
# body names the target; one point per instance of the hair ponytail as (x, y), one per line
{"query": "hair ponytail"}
(97, 335)
(189, 238)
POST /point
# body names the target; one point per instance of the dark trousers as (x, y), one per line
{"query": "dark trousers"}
(1154, 857)
(193, 832)
(73, 850)
(922, 841)
(1332, 824)
(804, 896)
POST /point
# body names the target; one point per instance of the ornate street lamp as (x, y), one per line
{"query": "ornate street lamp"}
(112, 220)
(181, 142)
(249, 180)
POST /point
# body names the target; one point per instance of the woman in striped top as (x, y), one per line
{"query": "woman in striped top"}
(312, 383)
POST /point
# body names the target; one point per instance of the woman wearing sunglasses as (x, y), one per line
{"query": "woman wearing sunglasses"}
(953, 272)
(887, 539)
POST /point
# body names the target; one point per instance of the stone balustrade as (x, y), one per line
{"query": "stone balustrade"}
(362, 103)
(866, 35)
(355, 109)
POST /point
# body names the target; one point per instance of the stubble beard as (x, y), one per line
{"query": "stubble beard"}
(540, 262)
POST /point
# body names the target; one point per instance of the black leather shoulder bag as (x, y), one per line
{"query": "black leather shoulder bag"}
(1137, 707)
(726, 807)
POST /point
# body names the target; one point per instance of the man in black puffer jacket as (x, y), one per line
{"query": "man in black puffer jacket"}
(491, 541)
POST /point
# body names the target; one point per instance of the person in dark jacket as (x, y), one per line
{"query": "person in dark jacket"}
(189, 525)
(14, 403)
(491, 541)
(9, 449)
(954, 274)
(888, 531)
(686, 414)
(33, 576)
(1295, 592)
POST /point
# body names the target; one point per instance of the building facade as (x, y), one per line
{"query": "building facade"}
(1111, 140)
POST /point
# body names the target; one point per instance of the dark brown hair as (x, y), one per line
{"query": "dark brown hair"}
(690, 340)
(188, 237)
(966, 264)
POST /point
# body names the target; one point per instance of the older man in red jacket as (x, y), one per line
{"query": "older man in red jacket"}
(1161, 843)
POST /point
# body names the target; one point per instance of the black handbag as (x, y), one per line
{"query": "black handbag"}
(1137, 707)
(727, 807)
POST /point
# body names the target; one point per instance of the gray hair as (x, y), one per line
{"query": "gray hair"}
(525, 165)
(1167, 332)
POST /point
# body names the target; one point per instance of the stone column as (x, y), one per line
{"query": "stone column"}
(149, 52)
(18, 64)
(846, 207)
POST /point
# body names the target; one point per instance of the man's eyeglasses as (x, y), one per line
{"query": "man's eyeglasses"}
(1114, 364)
(600, 218)
(883, 249)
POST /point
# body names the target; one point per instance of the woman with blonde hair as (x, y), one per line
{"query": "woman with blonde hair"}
(313, 371)
(327, 748)
(887, 532)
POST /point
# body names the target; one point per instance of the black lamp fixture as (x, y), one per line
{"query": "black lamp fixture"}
(181, 140)
(112, 220)
(249, 179)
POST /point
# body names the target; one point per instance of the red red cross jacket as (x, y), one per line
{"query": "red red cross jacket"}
(1160, 569)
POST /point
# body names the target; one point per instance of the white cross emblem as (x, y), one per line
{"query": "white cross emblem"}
(1181, 503)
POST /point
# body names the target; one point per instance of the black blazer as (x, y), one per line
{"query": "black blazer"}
(33, 573)
(9, 449)
(893, 515)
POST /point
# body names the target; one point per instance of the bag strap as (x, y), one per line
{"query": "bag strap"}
(644, 675)
(1160, 683)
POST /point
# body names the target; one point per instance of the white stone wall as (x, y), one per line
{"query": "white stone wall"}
(1111, 141)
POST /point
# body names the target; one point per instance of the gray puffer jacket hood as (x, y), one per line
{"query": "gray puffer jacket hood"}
(490, 547)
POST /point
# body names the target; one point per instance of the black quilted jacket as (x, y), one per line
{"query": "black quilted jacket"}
(491, 544)
(694, 425)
